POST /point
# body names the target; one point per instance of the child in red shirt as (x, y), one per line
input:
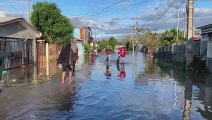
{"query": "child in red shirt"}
(108, 52)
(122, 54)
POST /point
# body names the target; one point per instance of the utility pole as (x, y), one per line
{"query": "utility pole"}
(28, 7)
(136, 28)
(190, 34)
(185, 31)
(190, 19)
(178, 15)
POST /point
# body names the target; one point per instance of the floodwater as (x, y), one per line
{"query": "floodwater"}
(102, 91)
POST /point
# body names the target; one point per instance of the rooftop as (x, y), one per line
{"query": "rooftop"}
(205, 26)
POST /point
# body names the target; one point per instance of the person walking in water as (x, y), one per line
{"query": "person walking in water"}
(122, 72)
(65, 60)
(75, 53)
(122, 52)
(108, 52)
(108, 72)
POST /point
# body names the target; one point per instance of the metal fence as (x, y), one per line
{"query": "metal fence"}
(19, 50)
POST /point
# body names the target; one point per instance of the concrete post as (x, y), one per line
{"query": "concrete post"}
(34, 59)
(34, 51)
(28, 7)
(190, 19)
(190, 34)
(47, 59)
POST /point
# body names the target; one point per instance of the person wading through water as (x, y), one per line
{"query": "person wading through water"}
(65, 60)
(75, 53)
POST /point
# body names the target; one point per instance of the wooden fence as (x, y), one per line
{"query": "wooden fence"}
(41, 52)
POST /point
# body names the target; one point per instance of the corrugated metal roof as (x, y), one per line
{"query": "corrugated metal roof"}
(6, 19)
(9, 20)
(205, 26)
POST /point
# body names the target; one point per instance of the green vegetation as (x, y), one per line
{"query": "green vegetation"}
(111, 42)
(88, 48)
(153, 40)
(127, 42)
(55, 27)
(103, 44)
(170, 37)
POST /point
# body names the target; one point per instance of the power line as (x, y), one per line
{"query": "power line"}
(103, 9)
(181, 5)
(111, 12)
(169, 7)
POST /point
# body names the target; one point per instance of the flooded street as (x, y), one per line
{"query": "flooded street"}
(147, 91)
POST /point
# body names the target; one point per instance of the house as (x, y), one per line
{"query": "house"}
(86, 34)
(18, 38)
(206, 44)
(80, 45)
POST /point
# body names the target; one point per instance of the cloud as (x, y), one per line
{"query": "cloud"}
(114, 26)
(4, 13)
(153, 19)
(13, 3)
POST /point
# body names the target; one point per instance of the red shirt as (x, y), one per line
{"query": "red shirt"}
(108, 51)
(122, 53)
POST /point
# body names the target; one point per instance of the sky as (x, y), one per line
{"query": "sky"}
(118, 17)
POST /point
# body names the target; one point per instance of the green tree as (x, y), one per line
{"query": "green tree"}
(127, 40)
(170, 37)
(103, 44)
(112, 42)
(88, 48)
(150, 40)
(55, 27)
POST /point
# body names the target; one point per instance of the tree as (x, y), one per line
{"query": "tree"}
(88, 48)
(127, 41)
(170, 37)
(150, 40)
(112, 42)
(55, 27)
(103, 44)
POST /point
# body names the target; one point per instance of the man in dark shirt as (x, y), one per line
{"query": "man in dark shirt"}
(65, 60)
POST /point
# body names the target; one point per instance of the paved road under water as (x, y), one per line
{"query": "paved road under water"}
(148, 91)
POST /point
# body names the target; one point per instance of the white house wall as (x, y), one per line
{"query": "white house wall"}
(80, 53)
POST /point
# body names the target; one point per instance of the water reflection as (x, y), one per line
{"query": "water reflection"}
(121, 71)
(89, 60)
(108, 72)
(197, 93)
(157, 92)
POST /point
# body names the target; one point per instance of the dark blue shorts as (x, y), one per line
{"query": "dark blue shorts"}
(66, 68)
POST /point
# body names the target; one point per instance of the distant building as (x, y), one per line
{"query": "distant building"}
(86, 34)
(80, 45)
(206, 44)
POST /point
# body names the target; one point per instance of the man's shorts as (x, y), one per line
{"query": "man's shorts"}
(66, 68)
(122, 59)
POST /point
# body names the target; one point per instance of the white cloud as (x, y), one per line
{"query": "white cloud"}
(106, 27)
(4, 13)
(114, 27)
(13, 3)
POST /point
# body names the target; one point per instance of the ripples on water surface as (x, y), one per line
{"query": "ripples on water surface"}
(147, 92)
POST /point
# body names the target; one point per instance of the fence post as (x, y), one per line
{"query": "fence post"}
(47, 59)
